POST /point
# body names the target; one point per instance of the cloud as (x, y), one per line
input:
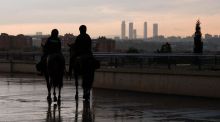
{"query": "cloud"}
(170, 14)
(41, 11)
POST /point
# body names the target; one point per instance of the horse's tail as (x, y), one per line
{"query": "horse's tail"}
(56, 67)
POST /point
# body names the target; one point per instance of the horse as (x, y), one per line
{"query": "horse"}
(82, 66)
(54, 71)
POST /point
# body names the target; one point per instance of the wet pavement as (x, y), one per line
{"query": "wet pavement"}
(23, 99)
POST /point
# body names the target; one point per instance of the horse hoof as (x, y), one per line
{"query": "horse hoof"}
(49, 98)
(59, 102)
(55, 99)
(86, 97)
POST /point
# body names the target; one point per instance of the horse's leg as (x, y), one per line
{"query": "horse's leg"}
(49, 116)
(70, 67)
(54, 112)
(48, 87)
(59, 96)
(54, 94)
(76, 84)
(89, 78)
(76, 111)
(85, 86)
(59, 114)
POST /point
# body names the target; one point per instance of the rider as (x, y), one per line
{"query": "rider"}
(83, 52)
(52, 45)
(83, 43)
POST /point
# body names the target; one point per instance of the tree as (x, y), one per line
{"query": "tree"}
(198, 44)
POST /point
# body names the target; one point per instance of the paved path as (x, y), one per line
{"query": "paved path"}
(24, 100)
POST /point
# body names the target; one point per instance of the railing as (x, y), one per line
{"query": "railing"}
(155, 60)
(125, 60)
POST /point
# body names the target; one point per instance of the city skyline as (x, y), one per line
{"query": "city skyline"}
(103, 18)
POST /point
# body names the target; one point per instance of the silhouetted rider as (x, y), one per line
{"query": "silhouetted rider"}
(52, 45)
(84, 60)
(83, 43)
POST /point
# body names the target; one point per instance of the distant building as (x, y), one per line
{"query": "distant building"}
(208, 36)
(37, 39)
(68, 38)
(215, 36)
(19, 42)
(123, 30)
(131, 30)
(36, 42)
(178, 44)
(145, 31)
(155, 30)
(22, 42)
(134, 34)
(117, 38)
(39, 33)
(5, 41)
(104, 45)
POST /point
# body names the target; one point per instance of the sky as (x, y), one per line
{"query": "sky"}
(104, 17)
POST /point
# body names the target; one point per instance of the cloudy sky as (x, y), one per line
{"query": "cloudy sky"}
(103, 17)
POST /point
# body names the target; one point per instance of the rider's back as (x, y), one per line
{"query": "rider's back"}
(83, 45)
(52, 45)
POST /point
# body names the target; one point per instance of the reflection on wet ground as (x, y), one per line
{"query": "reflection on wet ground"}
(24, 100)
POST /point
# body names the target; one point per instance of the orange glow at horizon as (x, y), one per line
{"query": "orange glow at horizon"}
(179, 27)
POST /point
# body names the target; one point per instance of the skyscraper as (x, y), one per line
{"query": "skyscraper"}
(145, 31)
(134, 34)
(155, 30)
(131, 30)
(123, 30)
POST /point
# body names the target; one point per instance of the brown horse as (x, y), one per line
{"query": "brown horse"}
(82, 66)
(54, 72)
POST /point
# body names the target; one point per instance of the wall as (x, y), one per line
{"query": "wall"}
(17, 67)
(163, 82)
(178, 82)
